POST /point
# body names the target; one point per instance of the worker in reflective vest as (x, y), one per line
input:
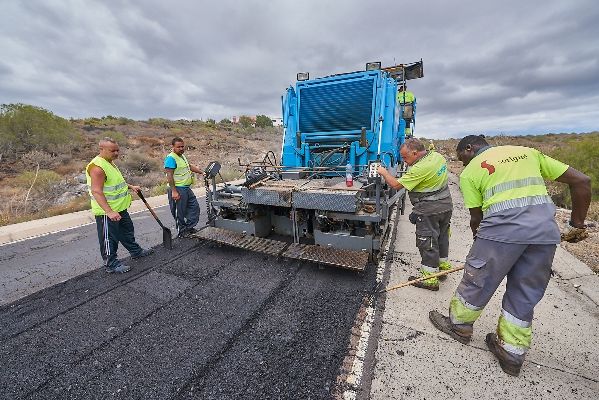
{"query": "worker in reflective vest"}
(183, 202)
(110, 199)
(407, 101)
(513, 221)
(426, 182)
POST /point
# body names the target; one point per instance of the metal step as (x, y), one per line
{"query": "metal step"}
(241, 240)
(349, 259)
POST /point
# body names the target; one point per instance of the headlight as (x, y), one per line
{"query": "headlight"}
(303, 76)
(371, 66)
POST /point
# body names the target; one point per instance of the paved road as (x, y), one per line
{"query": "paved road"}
(30, 265)
(201, 321)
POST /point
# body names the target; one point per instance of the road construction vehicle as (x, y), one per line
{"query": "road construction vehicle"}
(324, 201)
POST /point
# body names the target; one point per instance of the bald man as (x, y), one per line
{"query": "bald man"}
(110, 199)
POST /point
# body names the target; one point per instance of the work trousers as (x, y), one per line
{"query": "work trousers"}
(110, 233)
(528, 269)
(432, 238)
(186, 210)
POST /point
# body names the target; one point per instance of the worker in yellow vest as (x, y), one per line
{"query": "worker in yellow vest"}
(183, 202)
(426, 182)
(407, 102)
(512, 218)
(110, 199)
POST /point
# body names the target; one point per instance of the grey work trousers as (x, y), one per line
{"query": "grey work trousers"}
(186, 210)
(432, 237)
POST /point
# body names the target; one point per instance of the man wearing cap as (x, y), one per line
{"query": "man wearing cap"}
(512, 218)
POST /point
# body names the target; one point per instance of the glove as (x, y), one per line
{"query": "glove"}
(413, 218)
(574, 234)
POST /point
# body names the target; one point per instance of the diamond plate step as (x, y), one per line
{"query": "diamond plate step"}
(243, 241)
(349, 259)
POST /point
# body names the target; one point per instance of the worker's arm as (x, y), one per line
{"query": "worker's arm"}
(580, 191)
(97, 187)
(390, 179)
(476, 216)
(170, 177)
(135, 188)
(195, 169)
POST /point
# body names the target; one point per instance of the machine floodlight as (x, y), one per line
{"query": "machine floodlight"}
(303, 76)
(371, 66)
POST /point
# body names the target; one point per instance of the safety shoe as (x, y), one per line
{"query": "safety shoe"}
(121, 269)
(509, 367)
(144, 253)
(442, 323)
(444, 266)
(186, 233)
(428, 284)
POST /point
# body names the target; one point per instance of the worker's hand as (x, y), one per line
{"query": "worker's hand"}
(114, 216)
(176, 195)
(574, 234)
(381, 170)
(136, 189)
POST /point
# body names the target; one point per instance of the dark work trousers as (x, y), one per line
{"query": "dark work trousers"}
(432, 237)
(110, 233)
(528, 270)
(186, 210)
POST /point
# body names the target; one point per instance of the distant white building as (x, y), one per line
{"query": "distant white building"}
(277, 121)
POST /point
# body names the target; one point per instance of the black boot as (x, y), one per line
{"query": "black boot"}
(442, 323)
(508, 366)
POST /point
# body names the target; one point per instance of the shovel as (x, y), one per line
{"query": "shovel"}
(167, 238)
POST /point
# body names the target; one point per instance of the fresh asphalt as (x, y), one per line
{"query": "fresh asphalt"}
(201, 321)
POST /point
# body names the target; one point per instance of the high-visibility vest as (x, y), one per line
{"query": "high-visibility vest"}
(182, 174)
(115, 188)
(505, 177)
(405, 97)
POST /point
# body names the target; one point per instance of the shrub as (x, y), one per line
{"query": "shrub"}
(43, 183)
(159, 189)
(38, 157)
(140, 164)
(262, 121)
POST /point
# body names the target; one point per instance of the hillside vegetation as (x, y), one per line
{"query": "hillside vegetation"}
(43, 156)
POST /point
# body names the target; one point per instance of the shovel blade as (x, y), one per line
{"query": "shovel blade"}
(167, 238)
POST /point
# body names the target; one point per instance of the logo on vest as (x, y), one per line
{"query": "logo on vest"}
(488, 167)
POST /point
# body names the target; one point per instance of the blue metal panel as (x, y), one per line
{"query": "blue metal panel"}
(342, 105)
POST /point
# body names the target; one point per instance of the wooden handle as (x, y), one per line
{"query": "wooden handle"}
(141, 196)
(408, 283)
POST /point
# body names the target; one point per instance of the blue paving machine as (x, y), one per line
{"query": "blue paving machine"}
(324, 202)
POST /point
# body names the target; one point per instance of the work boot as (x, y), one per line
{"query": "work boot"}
(121, 269)
(444, 266)
(429, 284)
(508, 366)
(144, 253)
(442, 323)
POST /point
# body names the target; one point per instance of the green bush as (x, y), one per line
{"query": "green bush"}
(25, 128)
(159, 189)
(119, 137)
(43, 183)
(140, 164)
(262, 121)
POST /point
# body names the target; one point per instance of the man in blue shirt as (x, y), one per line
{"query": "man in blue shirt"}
(183, 203)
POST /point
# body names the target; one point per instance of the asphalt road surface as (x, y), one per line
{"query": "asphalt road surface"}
(198, 322)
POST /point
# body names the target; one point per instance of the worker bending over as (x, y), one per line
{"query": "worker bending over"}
(426, 182)
(512, 219)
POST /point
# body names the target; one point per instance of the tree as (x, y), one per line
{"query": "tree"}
(24, 128)
(262, 121)
(246, 121)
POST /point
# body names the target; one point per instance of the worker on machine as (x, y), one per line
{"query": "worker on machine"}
(406, 100)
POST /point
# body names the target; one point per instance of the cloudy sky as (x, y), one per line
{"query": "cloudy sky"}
(492, 67)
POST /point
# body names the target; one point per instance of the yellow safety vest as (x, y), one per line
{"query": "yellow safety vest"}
(182, 174)
(115, 188)
(505, 177)
(405, 97)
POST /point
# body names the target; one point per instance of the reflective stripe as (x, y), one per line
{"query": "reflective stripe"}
(510, 318)
(429, 270)
(466, 304)
(511, 348)
(502, 187)
(116, 196)
(514, 203)
(440, 189)
(461, 312)
(115, 187)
